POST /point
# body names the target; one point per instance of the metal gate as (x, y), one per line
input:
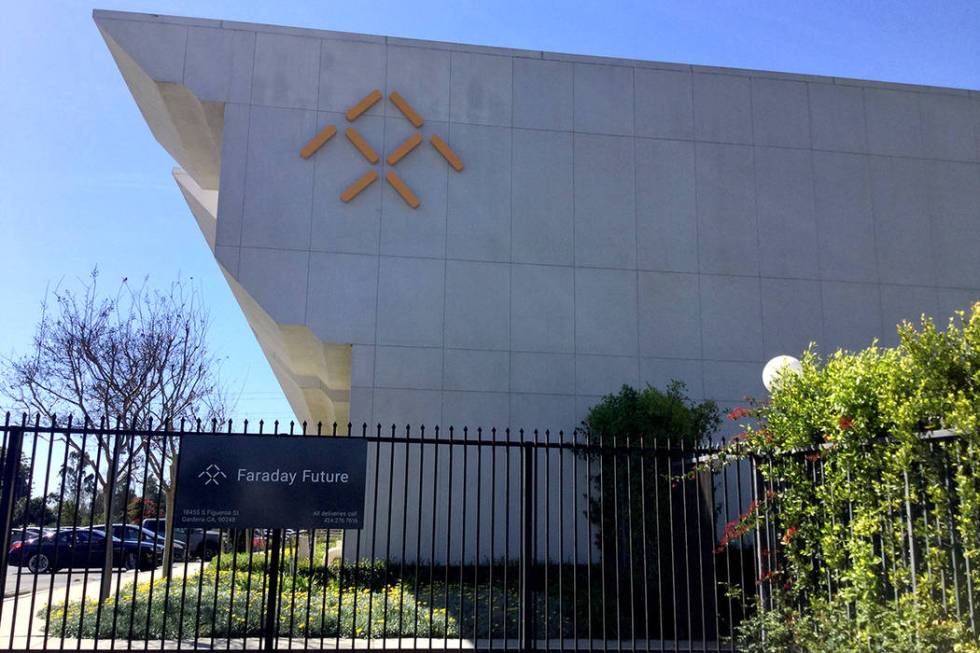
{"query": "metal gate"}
(473, 539)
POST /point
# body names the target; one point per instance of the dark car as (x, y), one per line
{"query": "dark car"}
(77, 548)
(199, 543)
(134, 533)
(24, 533)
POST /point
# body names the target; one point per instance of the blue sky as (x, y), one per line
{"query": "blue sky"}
(83, 183)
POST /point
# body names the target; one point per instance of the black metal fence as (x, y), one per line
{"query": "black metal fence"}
(472, 539)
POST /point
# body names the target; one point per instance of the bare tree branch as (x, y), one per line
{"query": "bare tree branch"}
(140, 357)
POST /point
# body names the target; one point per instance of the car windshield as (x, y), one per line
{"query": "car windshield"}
(137, 532)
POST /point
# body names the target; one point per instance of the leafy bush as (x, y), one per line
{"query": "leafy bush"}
(652, 417)
(631, 495)
(862, 500)
(913, 623)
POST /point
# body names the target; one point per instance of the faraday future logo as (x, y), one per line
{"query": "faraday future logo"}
(372, 157)
(211, 474)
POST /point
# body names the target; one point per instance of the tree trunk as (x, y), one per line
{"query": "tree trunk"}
(168, 534)
(105, 588)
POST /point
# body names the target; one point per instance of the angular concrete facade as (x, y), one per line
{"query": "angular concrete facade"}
(616, 221)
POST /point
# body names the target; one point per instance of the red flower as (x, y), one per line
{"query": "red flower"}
(845, 423)
(739, 413)
(788, 535)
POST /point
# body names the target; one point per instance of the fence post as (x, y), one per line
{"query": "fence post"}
(527, 547)
(271, 602)
(11, 462)
(761, 531)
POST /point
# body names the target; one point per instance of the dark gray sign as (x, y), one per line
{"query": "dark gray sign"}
(241, 481)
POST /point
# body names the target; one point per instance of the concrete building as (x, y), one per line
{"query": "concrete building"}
(614, 221)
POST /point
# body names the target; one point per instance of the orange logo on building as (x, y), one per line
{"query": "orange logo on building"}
(371, 156)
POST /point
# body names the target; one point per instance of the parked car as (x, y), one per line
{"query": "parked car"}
(198, 542)
(24, 533)
(134, 533)
(258, 541)
(71, 548)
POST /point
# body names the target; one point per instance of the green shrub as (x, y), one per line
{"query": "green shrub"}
(219, 603)
(915, 623)
(635, 490)
(651, 417)
(860, 500)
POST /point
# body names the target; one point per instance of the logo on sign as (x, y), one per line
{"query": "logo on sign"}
(211, 474)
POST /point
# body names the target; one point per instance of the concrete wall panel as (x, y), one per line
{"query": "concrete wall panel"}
(477, 305)
(792, 316)
(542, 373)
(837, 118)
(731, 318)
(787, 224)
(476, 369)
(543, 94)
(605, 211)
(234, 157)
(421, 76)
(277, 280)
(411, 295)
(343, 293)
(728, 233)
(349, 70)
(605, 312)
(542, 308)
(894, 126)
(722, 108)
(286, 71)
(902, 231)
(482, 89)
(946, 119)
(845, 225)
(408, 367)
(218, 64)
(278, 183)
(664, 104)
(478, 224)
(670, 315)
(780, 113)
(600, 375)
(666, 206)
(852, 314)
(542, 199)
(954, 200)
(603, 99)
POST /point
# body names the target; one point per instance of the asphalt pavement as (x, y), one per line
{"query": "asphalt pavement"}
(20, 581)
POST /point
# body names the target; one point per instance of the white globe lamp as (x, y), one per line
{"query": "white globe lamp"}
(774, 370)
